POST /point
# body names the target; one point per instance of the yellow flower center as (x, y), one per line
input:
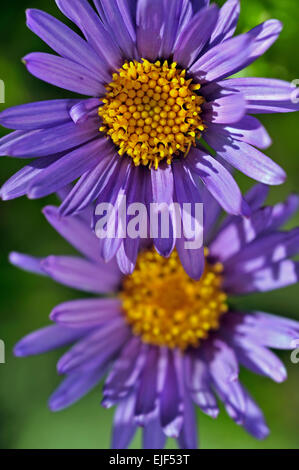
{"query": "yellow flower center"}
(152, 112)
(164, 306)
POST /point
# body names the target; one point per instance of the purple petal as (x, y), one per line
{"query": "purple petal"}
(99, 37)
(119, 25)
(80, 274)
(186, 15)
(43, 142)
(224, 370)
(87, 189)
(255, 43)
(130, 7)
(114, 193)
(192, 259)
(267, 330)
(188, 435)
(125, 372)
(65, 42)
(212, 210)
(27, 263)
(63, 192)
(75, 231)
(270, 319)
(150, 18)
(235, 54)
(147, 392)
(172, 14)
(127, 9)
(85, 109)
(223, 363)
(109, 178)
(46, 339)
(257, 195)
(218, 181)
(194, 36)
(162, 193)
(255, 198)
(259, 359)
(73, 388)
(265, 95)
(198, 385)
(86, 313)
(246, 158)
(126, 260)
(227, 22)
(262, 38)
(124, 263)
(274, 276)
(198, 4)
(96, 349)
(283, 211)
(254, 422)
(222, 60)
(63, 73)
(39, 115)
(153, 435)
(226, 110)
(238, 232)
(270, 248)
(171, 401)
(67, 169)
(128, 251)
(124, 427)
(19, 184)
(251, 131)
(233, 398)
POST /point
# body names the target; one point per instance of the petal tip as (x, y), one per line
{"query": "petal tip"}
(281, 178)
(213, 412)
(50, 212)
(54, 316)
(33, 193)
(18, 351)
(106, 403)
(13, 258)
(4, 195)
(55, 404)
(62, 366)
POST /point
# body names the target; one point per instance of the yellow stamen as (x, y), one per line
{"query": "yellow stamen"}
(151, 112)
(166, 307)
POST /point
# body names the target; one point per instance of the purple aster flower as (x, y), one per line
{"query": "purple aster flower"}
(163, 340)
(157, 74)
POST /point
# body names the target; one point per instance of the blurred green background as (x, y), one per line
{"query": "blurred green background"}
(26, 300)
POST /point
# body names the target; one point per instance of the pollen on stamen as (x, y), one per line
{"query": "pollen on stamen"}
(165, 307)
(152, 112)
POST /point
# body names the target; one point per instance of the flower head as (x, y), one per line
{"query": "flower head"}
(166, 307)
(157, 74)
(165, 341)
(152, 112)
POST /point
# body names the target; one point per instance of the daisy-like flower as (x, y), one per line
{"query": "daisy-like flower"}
(157, 74)
(166, 341)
